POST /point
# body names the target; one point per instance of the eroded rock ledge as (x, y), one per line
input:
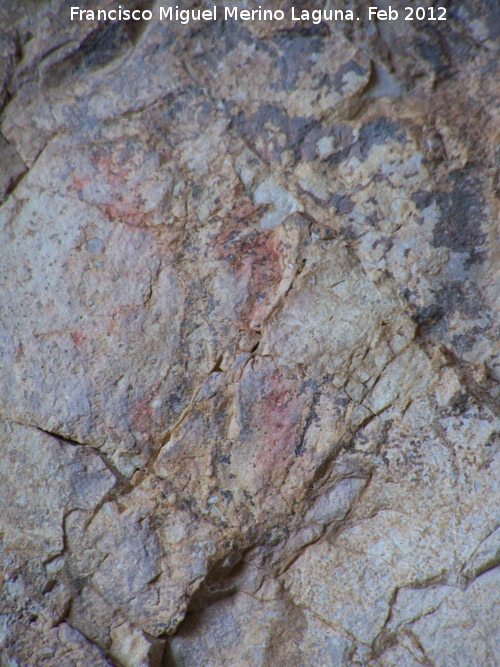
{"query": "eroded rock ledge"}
(249, 351)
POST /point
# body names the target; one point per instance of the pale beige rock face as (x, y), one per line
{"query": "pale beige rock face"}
(249, 351)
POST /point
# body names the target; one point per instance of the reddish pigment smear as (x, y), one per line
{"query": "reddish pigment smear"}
(77, 337)
(141, 416)
(271, 414)
(254, 254)
(116, 174)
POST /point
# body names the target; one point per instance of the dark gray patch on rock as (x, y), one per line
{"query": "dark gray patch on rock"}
(493, 19)
(308, 148)
(465, 342)
(347, 233)
(458, 403)
(12, 168)
(459, 227)
(106, 43)
(217, 40)
(433, 51)
(343, 204)
(377, 132)
(459, 296)
(270, 117)
(487, 11)
(346, 68)
(342, 139)
(103, 45)
(385, 241)
(426, 315)
(461, 214)
(296, 51)
(423, 199)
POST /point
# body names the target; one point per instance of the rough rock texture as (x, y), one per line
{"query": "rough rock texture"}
(249, 341)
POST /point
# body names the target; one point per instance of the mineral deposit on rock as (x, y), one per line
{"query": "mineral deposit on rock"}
(249, 338)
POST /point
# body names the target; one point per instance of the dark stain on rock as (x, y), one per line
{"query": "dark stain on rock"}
(265, 130)
(385, 241)
(347, 233)
(433, 51)
(342, 139)
(217, 40)
(426, 315)
(493, 18)
(308, 148)
(343, 204)
(485, 11)
(461, 214)
(103, 45)
(462, 297)
(459, 227)
(458, 403)
(296, 50)
(423, 199)
(346, 68)
(476, 257)
(465, 342)
(106, 43)
(452, 297)
(377, 132)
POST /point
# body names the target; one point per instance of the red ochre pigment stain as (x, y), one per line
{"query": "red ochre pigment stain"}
(255, 255)
(271, 411)
(119, 209)
(141, 416)
(280, 411)
(115, 176)
(77, 337)
(124, 212)
(78, 183)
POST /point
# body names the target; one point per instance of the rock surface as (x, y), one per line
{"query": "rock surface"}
(249, 340)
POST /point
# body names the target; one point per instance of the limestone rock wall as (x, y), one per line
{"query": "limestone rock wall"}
(249, 340)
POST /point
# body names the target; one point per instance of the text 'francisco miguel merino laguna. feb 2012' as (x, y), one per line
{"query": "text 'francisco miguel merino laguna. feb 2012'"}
(215, 13)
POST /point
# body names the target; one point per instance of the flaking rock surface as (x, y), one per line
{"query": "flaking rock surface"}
(249, 340)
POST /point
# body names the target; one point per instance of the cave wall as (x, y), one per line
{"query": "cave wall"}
(249, 339)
